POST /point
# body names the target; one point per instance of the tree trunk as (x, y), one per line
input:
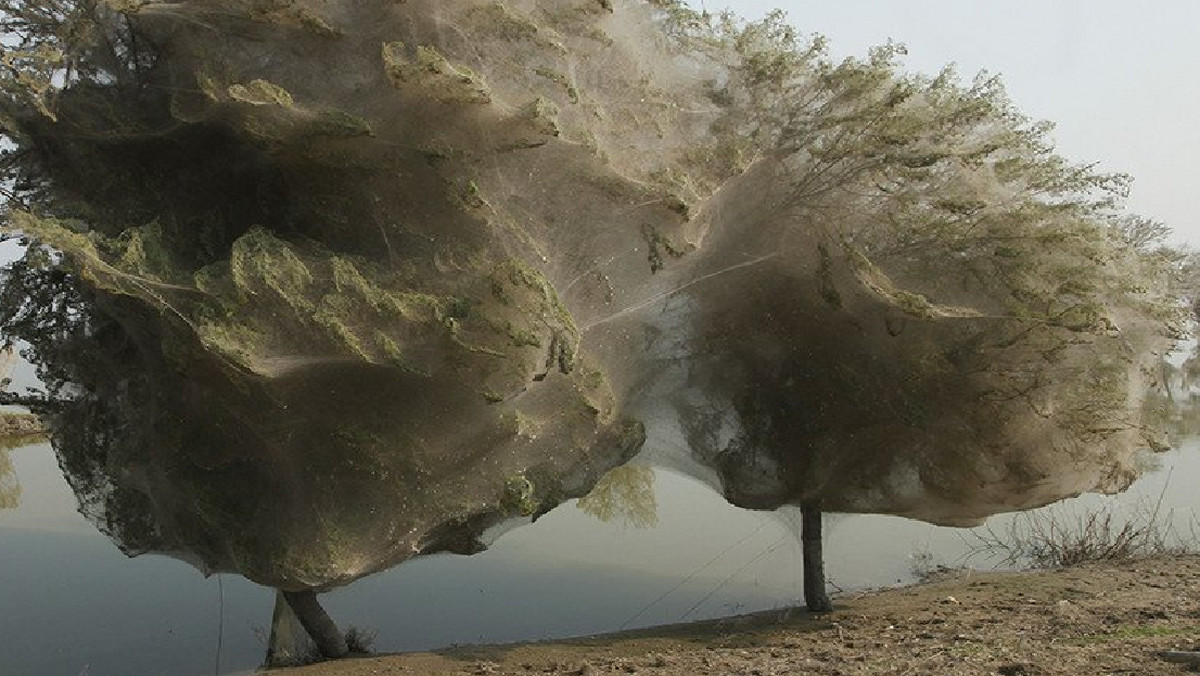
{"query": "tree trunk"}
(290, 644)
(814, 559)
(317, 623)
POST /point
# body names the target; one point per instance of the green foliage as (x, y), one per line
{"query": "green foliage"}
(429, 72)
(261, 93)
(560, 79)
(519, 497)
(505, 22)
(625, 494)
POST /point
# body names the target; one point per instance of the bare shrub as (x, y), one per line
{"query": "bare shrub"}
(1061, 537)
(360, 640)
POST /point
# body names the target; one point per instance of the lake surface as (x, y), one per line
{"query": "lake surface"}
(73, 604)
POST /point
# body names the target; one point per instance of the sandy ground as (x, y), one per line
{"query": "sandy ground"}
(1085, 620)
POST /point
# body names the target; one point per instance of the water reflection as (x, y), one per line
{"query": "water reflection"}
(568, 574)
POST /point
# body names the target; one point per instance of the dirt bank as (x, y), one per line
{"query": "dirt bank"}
(20, 425)
(1085, 620)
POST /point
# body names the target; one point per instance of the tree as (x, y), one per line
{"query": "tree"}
(342, 257)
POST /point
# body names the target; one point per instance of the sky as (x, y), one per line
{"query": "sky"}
(1119, 78)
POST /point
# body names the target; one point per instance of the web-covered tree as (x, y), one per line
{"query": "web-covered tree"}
(959, 321)
(432, 261)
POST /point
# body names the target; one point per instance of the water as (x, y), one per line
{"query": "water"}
(73, 604)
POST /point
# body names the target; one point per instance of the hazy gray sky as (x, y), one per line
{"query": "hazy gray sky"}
(1120, 78)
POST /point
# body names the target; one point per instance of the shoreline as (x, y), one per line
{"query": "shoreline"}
(18, 428)
(1095, 618)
